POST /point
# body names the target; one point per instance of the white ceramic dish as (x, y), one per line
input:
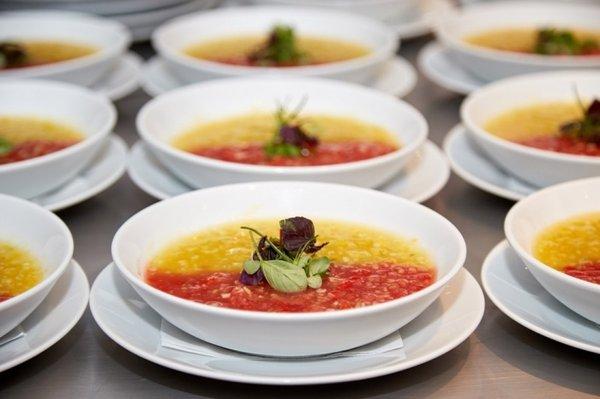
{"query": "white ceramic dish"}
(170, 114)
(537, 167)
(170, 39)
(424, 176)
(388, 11)
(436, 64)
(467, 161)
(397, 77)
(280, 334)
(51, 320)
(111, 39)
(101, 173)
(102, 7)
(122, 79)
(92, 114)
(440, 328)
(490, 64)
(530, 216)
(519, 296)
(47, 238)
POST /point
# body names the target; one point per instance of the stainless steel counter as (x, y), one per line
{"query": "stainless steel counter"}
(501, 359)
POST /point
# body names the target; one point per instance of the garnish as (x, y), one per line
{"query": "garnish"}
(5, 146)
(588, 127)
(290, 139)
(11, 54)
(562, 42)
(287, 264)
(280, 49)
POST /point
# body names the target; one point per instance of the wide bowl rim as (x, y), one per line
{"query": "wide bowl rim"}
(104, 54)
(458, 44)
(159, 145)
(385, 50)
(90, 140)
(139, 283)
(482, 94)
(526, 255)
(64, 263)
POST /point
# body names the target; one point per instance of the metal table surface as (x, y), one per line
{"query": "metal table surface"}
(501, 359)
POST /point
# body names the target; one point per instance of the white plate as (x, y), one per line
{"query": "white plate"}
(436, 64)
(467, 161)
(514, 290)
(424, 177)
(122, 80)
(398, 78)
(421, 25)
(95, 6)
(103, 172)
(131, 323)
(52, 320)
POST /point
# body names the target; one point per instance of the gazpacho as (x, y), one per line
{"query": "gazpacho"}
(28, 53)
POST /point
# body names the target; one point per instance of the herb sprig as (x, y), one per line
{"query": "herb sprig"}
(290, 138)
(287, 264)
(11, 54)
(280, 49)
(588, 127)
(562, 42)
(5, 146)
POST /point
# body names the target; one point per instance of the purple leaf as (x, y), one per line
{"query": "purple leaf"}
(265, 250)
(593, 110)
(252, 279)
(294, 135)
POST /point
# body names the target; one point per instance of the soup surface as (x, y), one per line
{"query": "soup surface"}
(19, 271)
(242, 139)
(24, 54)
(368, 266)
(23, 138)
(545, 41)
(539, 126)
(572, 246)
(237, 50)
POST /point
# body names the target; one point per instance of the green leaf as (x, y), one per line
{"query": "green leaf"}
(303, 260)
(315, 282)
(251, 266)
(284, 276)
(318, 266)
(5, 146)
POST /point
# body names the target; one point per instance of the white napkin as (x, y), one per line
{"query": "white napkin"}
(12, 335)
(172, 337)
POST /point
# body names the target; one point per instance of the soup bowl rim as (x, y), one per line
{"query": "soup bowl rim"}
(383, 51)
(64, 263)
(459, 43)
(89, 139)
(482, 95)
(526, 255)
(404, 150)
(104, 53)
(139, 282)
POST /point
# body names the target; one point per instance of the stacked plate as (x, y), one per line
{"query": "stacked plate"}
(140, 16)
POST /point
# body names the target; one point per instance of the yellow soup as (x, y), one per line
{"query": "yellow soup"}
(41, 52)
(21, 129)
(570, 242)
(19, 271)
(259, 128)
(536, 120)
(522, 40)
(226, 247)
(319, 50)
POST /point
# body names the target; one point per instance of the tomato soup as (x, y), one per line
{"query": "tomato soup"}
(525, 40)
(538, 126)
(368, 266)
(572, 246)
(242, 139)
(236, 50)
(19, 271)
(42, 52)
(23, 138)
